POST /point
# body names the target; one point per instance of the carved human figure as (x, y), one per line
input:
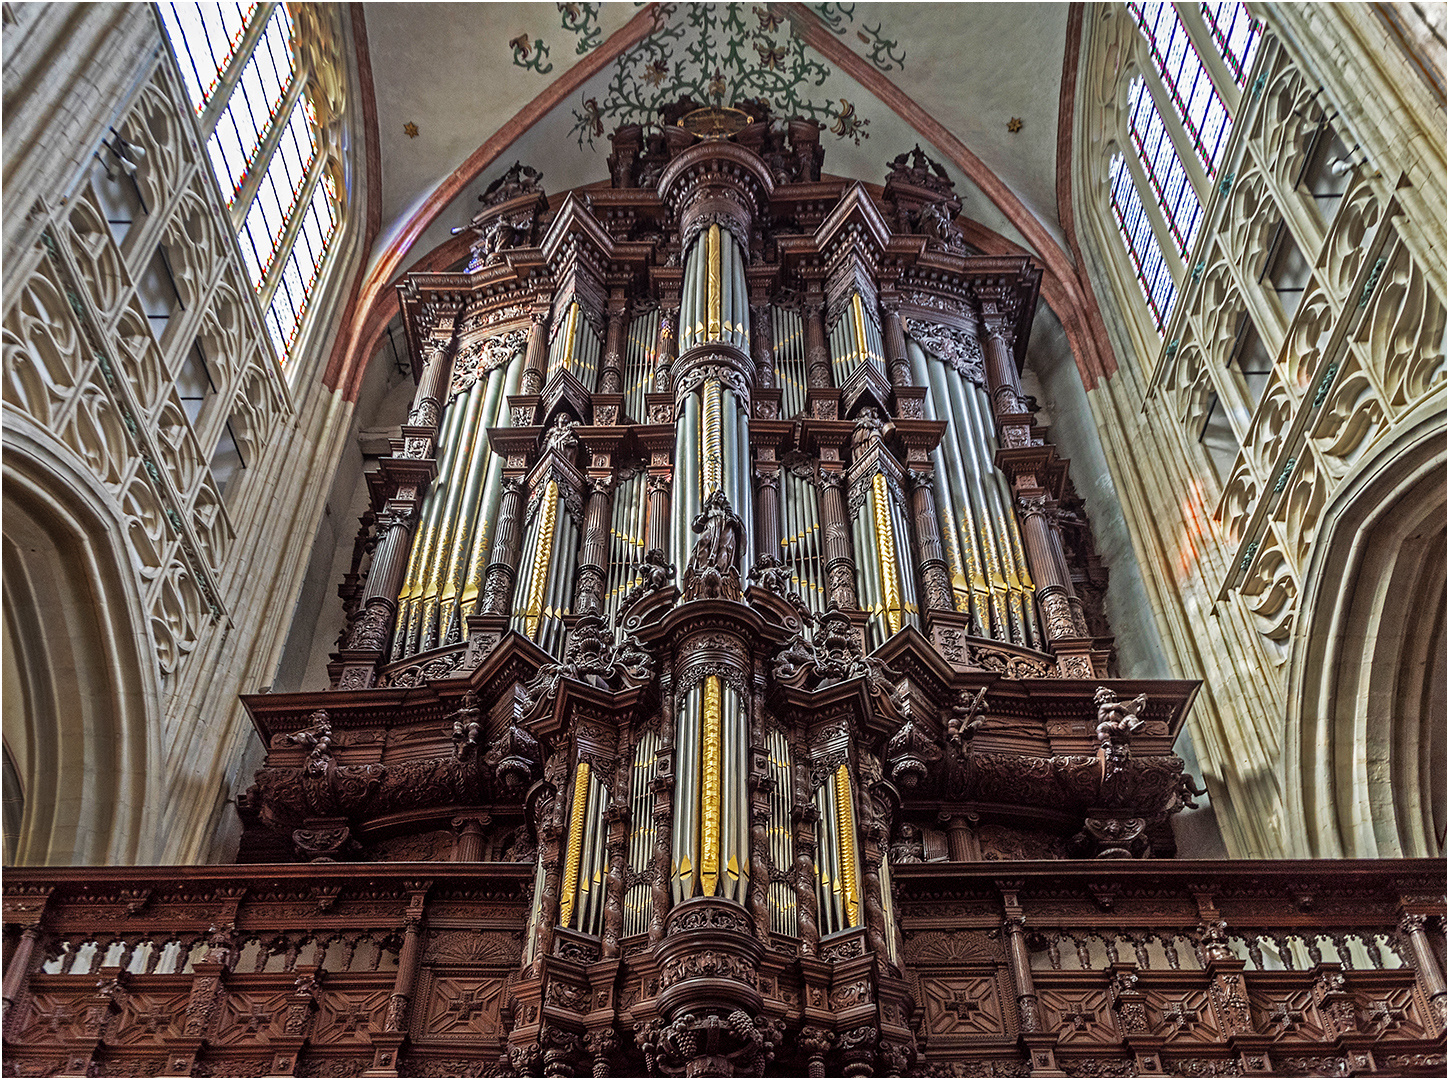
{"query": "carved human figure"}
(317, 737)
(713, 569)
(466, 726)
(560, 438)
(869, 427)
(908, 846)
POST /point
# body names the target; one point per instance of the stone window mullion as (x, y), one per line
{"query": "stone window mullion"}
(227, 83)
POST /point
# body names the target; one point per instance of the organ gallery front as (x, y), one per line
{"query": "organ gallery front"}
(717, 638)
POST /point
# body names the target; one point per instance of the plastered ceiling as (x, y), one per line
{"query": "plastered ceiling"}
(462, 72)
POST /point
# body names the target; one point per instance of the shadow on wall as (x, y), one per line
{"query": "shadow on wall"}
(1052, 377)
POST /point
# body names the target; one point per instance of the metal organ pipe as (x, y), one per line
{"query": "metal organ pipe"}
(487, 517)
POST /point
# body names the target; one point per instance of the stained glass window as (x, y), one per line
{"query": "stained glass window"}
(1196, 99)
(277, 194)
(302, 268)
(1136, 231)
(263, 147)
(205, 37)
(1236, 34)
(1165, 173)
(253, 105)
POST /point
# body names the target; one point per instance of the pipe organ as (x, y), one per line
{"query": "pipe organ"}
(717, 571)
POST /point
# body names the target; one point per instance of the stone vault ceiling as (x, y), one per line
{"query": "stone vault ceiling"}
(462, 72)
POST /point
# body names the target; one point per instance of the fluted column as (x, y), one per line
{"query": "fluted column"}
(1412, 928)
(767, 508)
(839, 555)
(535, 359)
(658, 534)
(384, 579)
(507, 543)
(594, 552)
(468, 846)
(930, 559)
(407, 964)
(432, 386)
(1020, 959)
(817, 352)
(1043, 542)
(611, 377)
(895, 344)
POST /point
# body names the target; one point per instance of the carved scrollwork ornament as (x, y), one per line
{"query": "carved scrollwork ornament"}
(956, 347)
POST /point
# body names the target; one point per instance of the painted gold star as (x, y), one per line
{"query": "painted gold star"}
(1014, 124)
(410, 130)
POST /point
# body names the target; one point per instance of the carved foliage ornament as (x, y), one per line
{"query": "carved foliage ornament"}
(956, 347)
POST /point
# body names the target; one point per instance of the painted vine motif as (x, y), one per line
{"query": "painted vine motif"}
(719, 54)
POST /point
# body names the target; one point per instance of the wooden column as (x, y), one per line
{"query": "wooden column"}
(657, 536)
(895, 343)
(611, 376)
(930, 559)
(839, 552)
(804, 814)
(594, 551)
(1043, 542)
(468, 845)
(817, 351)
(507, 543)
(535, 359)
(1412, 927)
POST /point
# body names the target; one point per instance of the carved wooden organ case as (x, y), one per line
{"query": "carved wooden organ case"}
(717, 570)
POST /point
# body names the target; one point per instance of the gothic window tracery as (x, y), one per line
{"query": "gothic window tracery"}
(278, 174)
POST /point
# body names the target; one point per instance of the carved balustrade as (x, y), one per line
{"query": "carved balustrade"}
(1181, 968)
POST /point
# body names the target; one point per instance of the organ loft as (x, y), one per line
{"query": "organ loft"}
(726, 690)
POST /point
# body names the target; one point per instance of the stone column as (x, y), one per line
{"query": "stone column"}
(535, 359)
(594, 552)
(930, 559)
(839, 553)
(507, 543)
(611, 376)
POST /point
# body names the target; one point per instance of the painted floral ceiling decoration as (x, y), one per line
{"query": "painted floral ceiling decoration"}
(719, 54)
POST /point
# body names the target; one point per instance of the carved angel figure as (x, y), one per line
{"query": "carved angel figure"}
(654, 575)
(869, 426)
(1117, 721)
(520, 179)
(318, 737)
